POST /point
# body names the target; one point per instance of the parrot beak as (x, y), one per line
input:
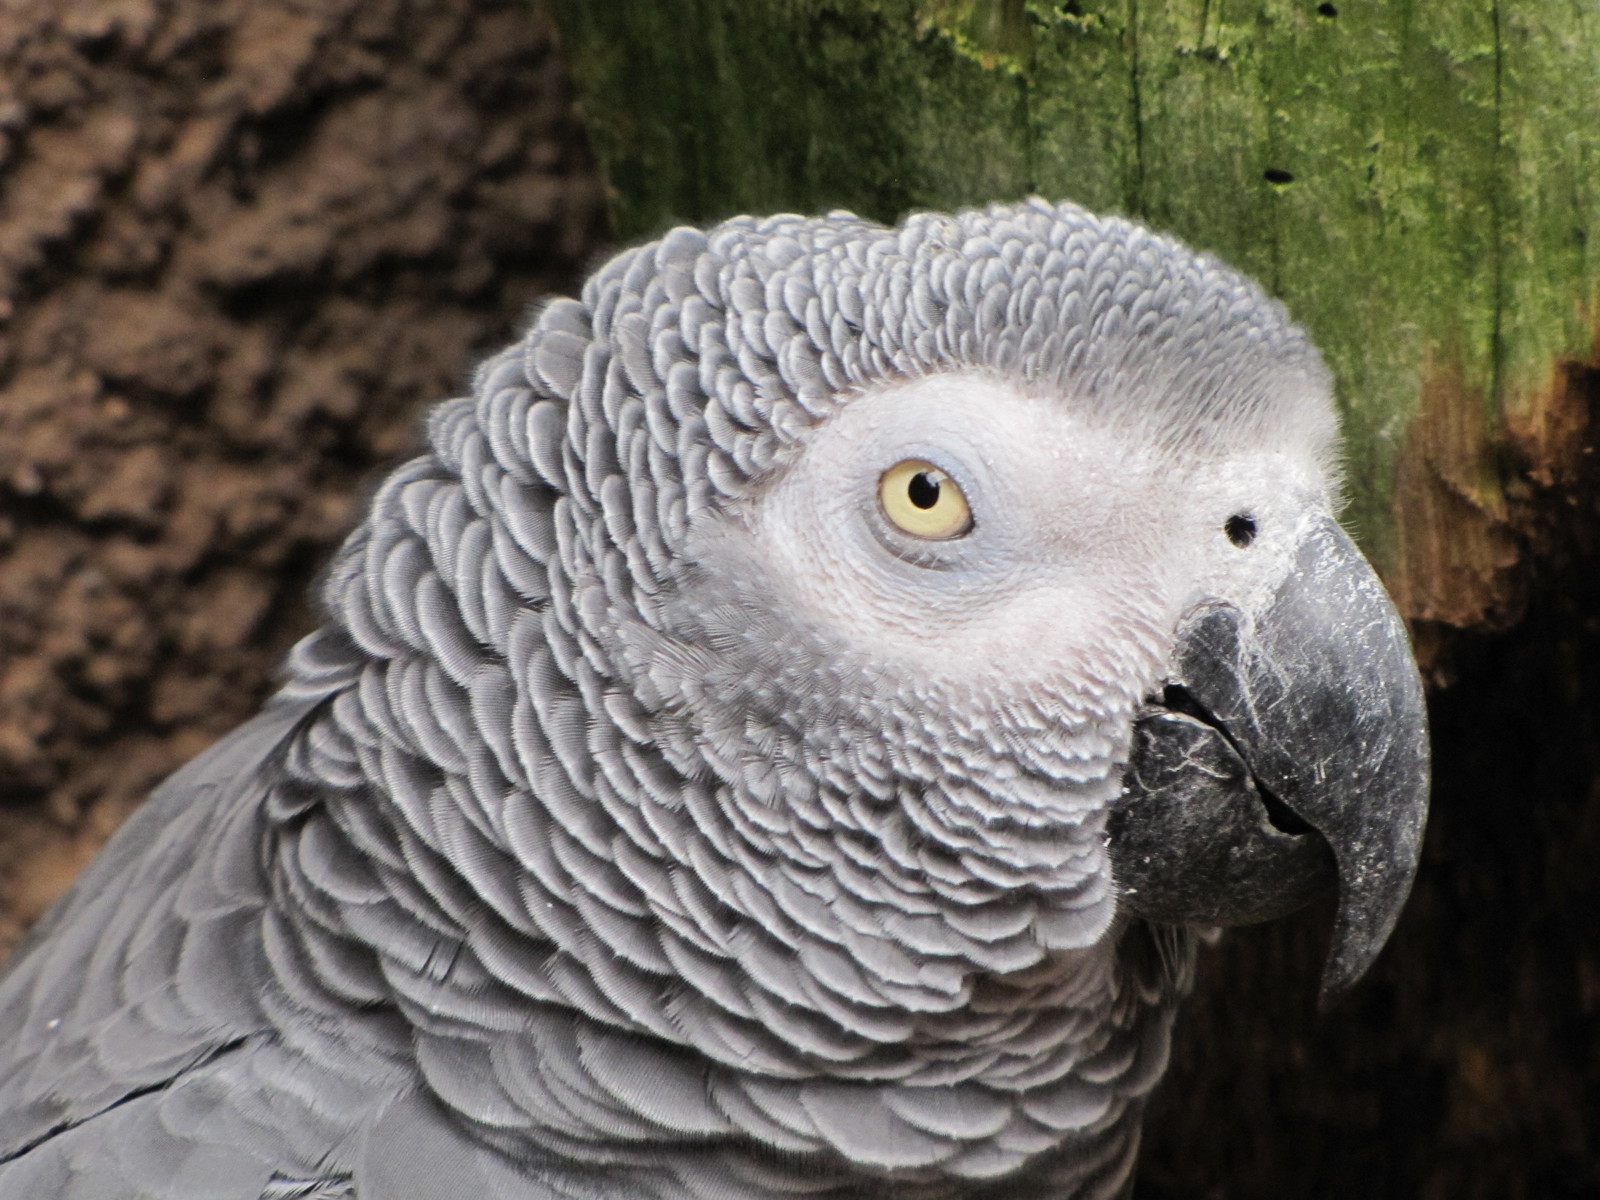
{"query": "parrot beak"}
(1288, 752)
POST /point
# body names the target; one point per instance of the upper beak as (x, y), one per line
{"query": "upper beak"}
(1289, 748)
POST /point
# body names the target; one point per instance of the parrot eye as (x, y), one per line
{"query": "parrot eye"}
(920, 499)
(1241, 530)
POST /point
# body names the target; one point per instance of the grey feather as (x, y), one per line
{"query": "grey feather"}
(566, 865)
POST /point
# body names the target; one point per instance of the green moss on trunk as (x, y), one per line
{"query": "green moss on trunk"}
(1417, 179)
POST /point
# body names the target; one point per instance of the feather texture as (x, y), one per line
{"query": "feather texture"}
(568, 865)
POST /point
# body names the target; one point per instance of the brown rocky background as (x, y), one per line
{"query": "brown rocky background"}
(242, 242)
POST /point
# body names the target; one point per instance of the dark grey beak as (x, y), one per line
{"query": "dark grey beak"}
(1286, 753)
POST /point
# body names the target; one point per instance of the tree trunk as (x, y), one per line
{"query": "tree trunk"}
(1416, 180)
(1420, 181)
(241, 243)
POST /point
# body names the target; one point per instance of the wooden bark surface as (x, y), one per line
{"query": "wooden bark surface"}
(1420, 181)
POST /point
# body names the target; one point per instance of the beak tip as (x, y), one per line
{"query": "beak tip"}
(1363, 925)
(1339, 979)
(1331, 993)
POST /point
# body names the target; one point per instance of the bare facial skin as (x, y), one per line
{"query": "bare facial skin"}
(1083, 541)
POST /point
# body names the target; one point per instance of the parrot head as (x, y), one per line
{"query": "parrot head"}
(1023, 525)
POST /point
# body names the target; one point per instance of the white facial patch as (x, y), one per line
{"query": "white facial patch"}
(1086, 543)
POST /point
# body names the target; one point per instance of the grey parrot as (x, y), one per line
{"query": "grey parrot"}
(784, 738)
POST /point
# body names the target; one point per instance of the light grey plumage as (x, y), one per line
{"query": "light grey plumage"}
(606, 843)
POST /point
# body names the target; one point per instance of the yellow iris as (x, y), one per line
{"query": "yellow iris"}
(923, 501)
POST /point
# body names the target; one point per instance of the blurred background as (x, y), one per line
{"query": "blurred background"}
(243, 243)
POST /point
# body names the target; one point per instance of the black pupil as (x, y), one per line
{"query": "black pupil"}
(924, 490)
(1241, 530)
